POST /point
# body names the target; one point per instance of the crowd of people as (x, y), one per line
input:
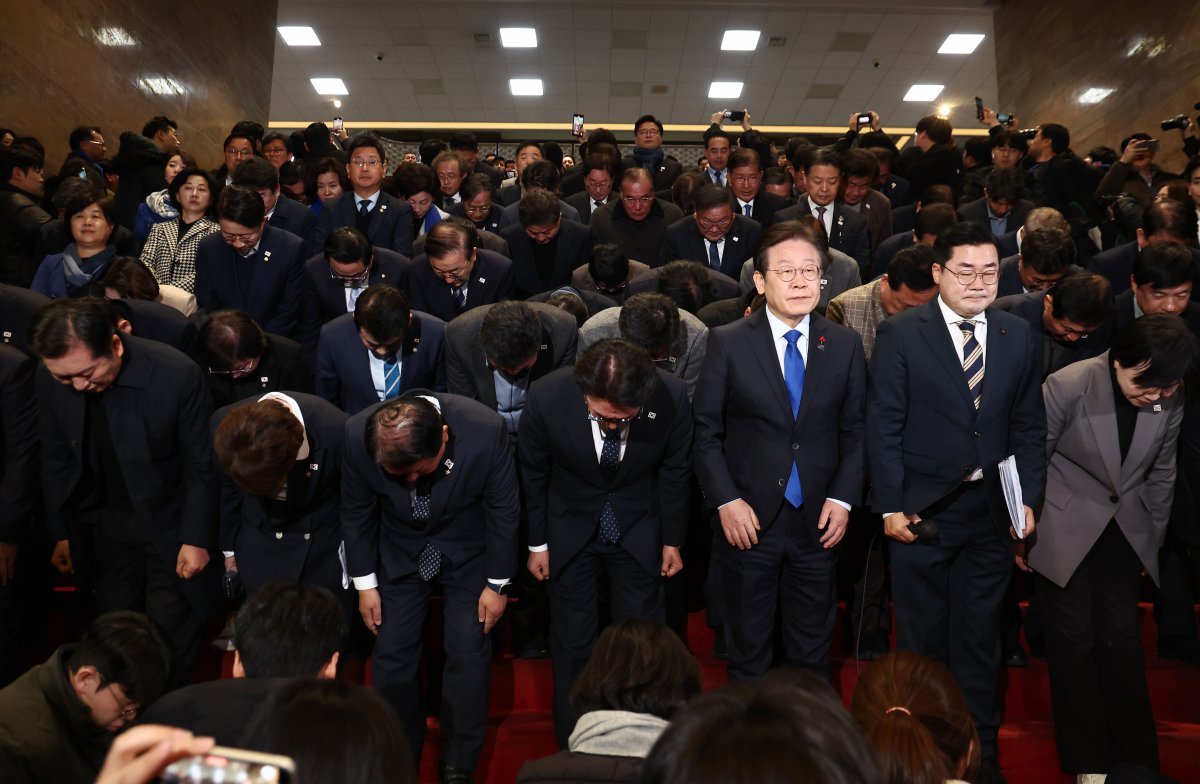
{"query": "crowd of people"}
(326, 386)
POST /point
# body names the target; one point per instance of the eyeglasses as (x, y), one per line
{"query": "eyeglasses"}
(967, 277)
(351, 281)
(745, 179)
(647, 132)
(619, 421)
(271, 152)
(705, 223)
(102, 145)
(449, 177)
(788, 274)
(642, 200)
(1039, 284)
(250, 238)
(370, 163)
(236, 153)
(247, 366)
(128, 709)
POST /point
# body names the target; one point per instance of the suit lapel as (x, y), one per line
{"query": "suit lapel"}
(1147, 434)
(1099, 407)
(763, 347)
(946, 353)
(262, 268)
(815, 365)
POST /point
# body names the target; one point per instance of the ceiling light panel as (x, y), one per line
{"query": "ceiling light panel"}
(518, 37)
(740, 40)
(725, 90)
(329, 86)
(525, 86)
(924, 93)
(961, 43)
(299, 36)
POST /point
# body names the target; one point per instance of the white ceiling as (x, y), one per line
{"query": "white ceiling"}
(610, 61)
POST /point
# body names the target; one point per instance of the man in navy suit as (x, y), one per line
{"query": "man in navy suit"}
(1074, 318)
(538, 175)
(713, 235)
(846, 229)
(379, 351)
(1163, 221)
(478, 203)
(779, 453)
(387, 221)
(251, 266)
(349, 265)
(286, 214)
(545, 247)
(1046, 257)
(454, 274)
(429, 494)
(745, 180)
(1001, 210)
(954, 391)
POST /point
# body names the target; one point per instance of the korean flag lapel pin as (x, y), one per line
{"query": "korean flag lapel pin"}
(483, 280)
(1158, 408)
(311, 467)
(651, 415)
(382, 208)
(449, 465)
(266, 256)
(841, 221)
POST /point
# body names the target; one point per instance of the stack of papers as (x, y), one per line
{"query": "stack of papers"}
(1011, 483)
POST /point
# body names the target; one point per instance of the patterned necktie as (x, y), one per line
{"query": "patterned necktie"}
(972, 361)
(747, 210)
(391, 383)
(821, 216)
(793, 378)
(610, 460)
(718, 178)
(364, 215)
(596, 204)
(429, 560)
(714, 256)
(460, 298)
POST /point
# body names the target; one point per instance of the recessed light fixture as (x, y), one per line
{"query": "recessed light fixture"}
(725, 90)
(299, 36)
(114, 36)
(518, 37)
(525, 86)
(329, 86)
(960, 43)
(944, 110)
(740, 40)
(337, 104)
(924, 93)
(1095, 94)
(160, 85)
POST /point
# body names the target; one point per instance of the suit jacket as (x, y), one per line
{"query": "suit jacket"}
(765, 206)
(510, 215)
(641, 240)
(284, 365)
(941, 164)
(684, 241)
(490, 223)
(860, 309)
(344, 369)
(887, 251)
(156, 321)
(592, 300)
(924, 436)
(582, 203)
(573, 246)
(509, 194)
(664, 178)
(1116, 264)
(898, 191)
(390, 226)
(19, 441)
(1123, 313)
(1056, 355)
(293, 216)
(849, 233)
(158, 415)
(1010, 278)
(904, 218)
(747, 438)
(325, 296)
(218, 709)
(1087, 482)
(491, 281)
(977, 211)
(687, 352)
(474, 502)
(877, 210)
(565, 489)
(582, 280)
(723, 285)
(467, 371)
(275, 296)
(17, 306)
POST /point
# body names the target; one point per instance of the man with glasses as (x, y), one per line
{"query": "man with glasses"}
(713, 235)
(275, 150)
(451, 171)
(58, 719)
(779, 455)
(336, 278)
(545, 248)
(605, 456)
(649, 155)
(238, 149)
(745, 180)
(244, 362)
(954, 391)
(386, 220)
(478, 203)
(637, 222)
(1046, 257)
(87, 148)
(454, 274)
(597, 171)
(380, 350)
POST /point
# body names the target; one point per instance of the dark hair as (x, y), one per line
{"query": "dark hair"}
(383, 311)
(1003, 185)
(569, 301)
(979, 148)
(554, 154)
(531, 143)
(131, 279)
(687, 185)
(912, 712)
(249, 129)
(911, 267)
(1047, 252)
(1161, 341)
(541, 174)
(107, 209)
(958, 235)
(825, 156)
(127, 649)
(429, 149)
(256, 445)
(789, 728)
(238, 135)
(599, 136)
(81, 134)
(414, 178)
(241, 205)
(936, 194)
(601, 161)
(316, 135)
(757, 141)
(18, 157)
(1188, 171)
(637, 665)
(807, 229)
(609, 264)
(464, 140)
(476, 184)
(687, 283)
(292, 173)
(74, 191)
(257, 173)
(337, 733)
(181, 179)
(717, 132)
(510, 333)
(648, 118)
(860, 163)
(448, 236)
(1011, 139)
(938, 129)
(403, 431)
(287, 629)
(276, 137)
(325, 166)
(538, 207)
(651, 320)
(934, 219)
(1083, 298)
(776, 176)
(1059, 136)
(743, 158)
(1170, 218)
(712, 195)
(157, 124)
(229, 336)
(364, 140)
(347, 245)
(64, 323)
(1164, 265)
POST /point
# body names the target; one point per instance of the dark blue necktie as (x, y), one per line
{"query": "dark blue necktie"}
(793, 377)
(610, 460)
(714, 256)
(460, 298)
(391, 379)
(429, 560)
(748, 210)
(364, 214)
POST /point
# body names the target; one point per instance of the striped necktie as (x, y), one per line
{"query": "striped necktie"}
(391, 378)
(972, 361)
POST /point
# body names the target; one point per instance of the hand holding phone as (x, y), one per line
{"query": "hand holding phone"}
(337, 124)
(577, 125)
(978, 108)
(864, 120)
(222, 764)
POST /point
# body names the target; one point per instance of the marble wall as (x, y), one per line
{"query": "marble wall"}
(97, 62)
(1048, 54)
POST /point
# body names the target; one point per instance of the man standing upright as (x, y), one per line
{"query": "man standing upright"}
(386, 220)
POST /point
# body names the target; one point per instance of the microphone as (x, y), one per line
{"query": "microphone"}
(923, 529)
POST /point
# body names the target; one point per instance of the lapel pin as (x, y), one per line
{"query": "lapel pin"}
(264, 379)
(382, 208)
(1003, 331)
(449, 465)
(651, 415)
(821, 343)
(544, 347)
(841, 220)
(1157, 408)
(266, 255)
(7, 337)
(735, 239)
(312, 466)
(483, 280)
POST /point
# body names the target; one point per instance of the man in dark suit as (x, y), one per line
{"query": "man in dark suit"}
(1163, 221)
(243, 361)
(1074, 318)
(599, 174)
(349, 265)
(857, 194)
(18, 502)
(478, 204)
(379, 351)
(538, 175)
(429, 494)
(745, 180)
(156, 321)
(929, 223)
(285, 214)
(637, 222)
(846, 229)
(649, 155)
(589, 464)
(937, 427)
(608, 272)
(387, 221)
(455, 275)
(1001, 210)
(1163, 279)
(18, 305)
(252, 266)
(713, 235)
(467, 146)
(1045, 258)
(778, 379)
(281, 463)
(546, 248)
(717, 145)
(127, 469)
(932, 158)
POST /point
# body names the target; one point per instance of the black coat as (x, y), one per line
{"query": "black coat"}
(17, 306)
(684, 241)
(573, 246)
(284, 365)
(19, 441)
(218, 709)
(20, 220)
(140, 164)
(390, 226)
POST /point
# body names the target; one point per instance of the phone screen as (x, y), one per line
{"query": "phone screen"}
(223, 764)
(737, 116)
(1151, 145)
(337, 123)
(864, 120)
(978, 107)
(577, 125)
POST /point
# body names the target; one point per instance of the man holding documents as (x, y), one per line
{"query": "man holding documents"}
(953, 392)
(1113, 423)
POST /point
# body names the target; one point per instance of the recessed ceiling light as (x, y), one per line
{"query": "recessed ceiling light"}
(924, 93)
(525, 86)
(944, 110)
(960, 43)
(114, 36)
(740, 40)
(299, 36)
(725, 90)
(161, 85)
(329, 86)
(337, 104)
(1095, 94)
(518, 37)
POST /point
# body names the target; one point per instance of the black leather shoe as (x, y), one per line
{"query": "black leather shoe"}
(1015, 657)
(535, 647)
(456, 776)
(1180, 648)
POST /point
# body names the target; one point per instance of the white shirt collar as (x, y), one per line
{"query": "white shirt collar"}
(950, 317)
(779, 328)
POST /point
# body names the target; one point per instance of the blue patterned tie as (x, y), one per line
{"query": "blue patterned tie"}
(391, 378)
(714, 256)
(972, 361)
(610, 460)
(748, 210)
(429, 561)
(460, 298)
(793, 377)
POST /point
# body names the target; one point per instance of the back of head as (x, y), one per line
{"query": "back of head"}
(936, 194)
(338, 733)
(912, 267)
(257, 173)
(403, 431)
(1059, 136)
(73, 194)
(938, 129)
(127, 649)
(609, 265)
(538, 207)
(638, 666)
(249, 129)
(131, 279)
(912, 713)
(383, 312)
(347, 245)
(1047, 251)
(228, 337)
(650, 320)
(242, 206)
(1084, 298)
(475, 185)
(1164, 265)
(618, 371)
(464, 141)
(567, 300)
(685, 189)
(430, 149)
(256, 445)
(1003, 185)
(860, 163)
(1160, 346)
(541, 174)
(934, 219)
(57, 328)
(1046, 218)
(414, 178)
(450, 236)
(790, 728)
(687, 284)
(1170, 220)
(510, 333)
(288, 630)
